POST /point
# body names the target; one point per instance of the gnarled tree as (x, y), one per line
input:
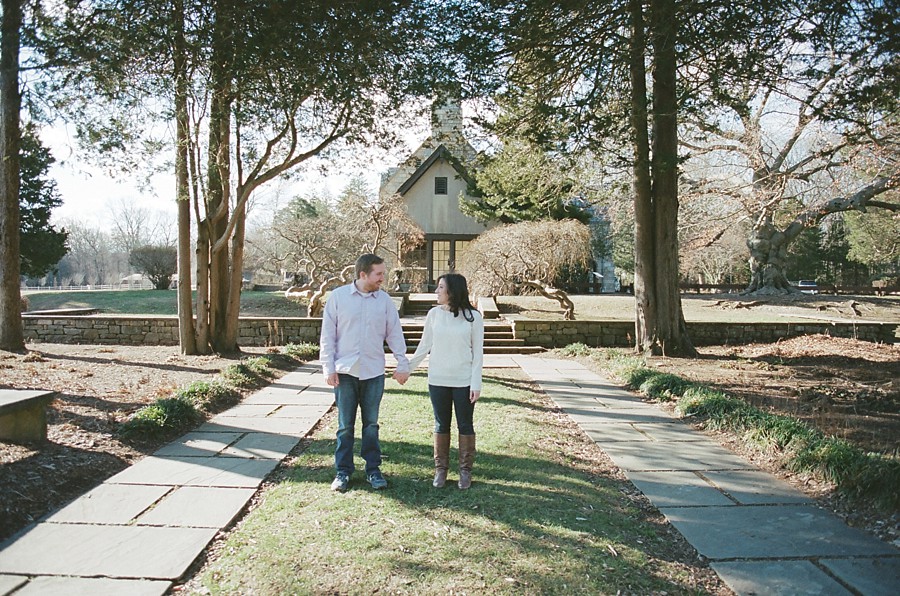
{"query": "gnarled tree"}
(528, 255)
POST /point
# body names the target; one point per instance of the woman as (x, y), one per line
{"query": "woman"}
(454, 335)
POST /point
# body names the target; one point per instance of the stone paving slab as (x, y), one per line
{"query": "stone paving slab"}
(270, 395)
(755, 487)
(262, 445)
(872, 577)
(111, 551)
(92, 586)
(8, 583)
(198, 507)
(197, 471)
(694, 456)
(249, 410)
(622, 432)
(677, 489)
(109, 504)
(599, 415)
(198, 444)
(778, 578)
(771, 532)
(294, 427)
(300, 411)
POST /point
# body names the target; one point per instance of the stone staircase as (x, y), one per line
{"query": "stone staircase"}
(498, 335)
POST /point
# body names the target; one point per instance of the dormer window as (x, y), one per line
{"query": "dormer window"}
(440, 185)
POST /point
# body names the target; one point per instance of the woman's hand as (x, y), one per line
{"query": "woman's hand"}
(474, 395)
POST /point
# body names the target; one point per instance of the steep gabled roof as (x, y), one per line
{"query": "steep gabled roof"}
(440, 153)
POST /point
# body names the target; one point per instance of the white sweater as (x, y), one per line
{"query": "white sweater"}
(456, 346)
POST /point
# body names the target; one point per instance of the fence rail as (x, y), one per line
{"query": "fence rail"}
(81, 288)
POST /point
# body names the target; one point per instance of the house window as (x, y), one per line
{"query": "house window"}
(440, 258)
(440, 185)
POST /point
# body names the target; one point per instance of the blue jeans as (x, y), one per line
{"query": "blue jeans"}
(350, 394)
(443, 401)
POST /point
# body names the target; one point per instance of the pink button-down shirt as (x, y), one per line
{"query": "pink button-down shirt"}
(355, 327)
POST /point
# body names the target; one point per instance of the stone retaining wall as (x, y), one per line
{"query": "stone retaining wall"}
(265, 331)
(555, 334)
(161, 330)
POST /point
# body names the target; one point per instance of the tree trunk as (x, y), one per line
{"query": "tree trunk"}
(645, 308)
(554, 294)
(218, 180)
(186, 331)
(659, 321)
(11, 333)
(671, 332)
(768, 245)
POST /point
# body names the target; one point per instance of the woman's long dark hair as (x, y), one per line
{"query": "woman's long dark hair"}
(458, 295)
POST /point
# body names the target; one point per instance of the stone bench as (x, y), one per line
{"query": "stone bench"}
(23, 417)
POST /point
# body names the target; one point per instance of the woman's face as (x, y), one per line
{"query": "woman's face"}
(443, 297)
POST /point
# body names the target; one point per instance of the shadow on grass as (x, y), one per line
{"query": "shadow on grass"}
(576, 525)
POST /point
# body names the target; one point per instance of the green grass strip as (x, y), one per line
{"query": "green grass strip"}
(536, 520)
(856, 473)
(193, 402)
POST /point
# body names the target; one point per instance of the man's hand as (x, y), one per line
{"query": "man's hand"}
(401, 377)
(474, 395)
(332, 380)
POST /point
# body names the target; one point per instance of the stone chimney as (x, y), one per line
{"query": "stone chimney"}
(447, 123)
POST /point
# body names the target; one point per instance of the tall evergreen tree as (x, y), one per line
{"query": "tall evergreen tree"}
(41, 245)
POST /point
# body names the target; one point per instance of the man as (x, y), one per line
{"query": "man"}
(358, 319)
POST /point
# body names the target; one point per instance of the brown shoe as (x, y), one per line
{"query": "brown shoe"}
(441, 459)
(466, 458)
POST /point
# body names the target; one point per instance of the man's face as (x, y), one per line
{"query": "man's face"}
(369, 282)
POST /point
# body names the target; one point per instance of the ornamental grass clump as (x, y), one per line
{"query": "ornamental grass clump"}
(208, 396)
(161, 417)
(304, 351)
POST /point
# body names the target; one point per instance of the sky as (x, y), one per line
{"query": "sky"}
(89, 192)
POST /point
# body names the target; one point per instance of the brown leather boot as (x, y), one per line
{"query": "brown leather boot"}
(466, 458)
(441, 459)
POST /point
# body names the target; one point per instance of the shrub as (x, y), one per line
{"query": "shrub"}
(240, 375)
(207, 395)
(305, 351)
(160, 417)
(575, 350)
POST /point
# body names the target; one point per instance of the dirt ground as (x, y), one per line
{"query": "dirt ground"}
(98, 388)
(846, 387)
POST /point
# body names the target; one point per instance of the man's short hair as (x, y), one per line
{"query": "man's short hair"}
(365, 262)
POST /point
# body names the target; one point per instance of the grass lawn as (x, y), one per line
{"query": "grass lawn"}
(159, 302)
(615, 307)
(539, 518)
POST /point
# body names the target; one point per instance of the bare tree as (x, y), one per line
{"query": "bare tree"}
(531, 255)
(320, 242)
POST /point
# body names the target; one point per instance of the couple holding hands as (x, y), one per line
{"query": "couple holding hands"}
(358, 320)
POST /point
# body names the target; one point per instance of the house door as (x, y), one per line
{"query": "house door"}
(440, 258)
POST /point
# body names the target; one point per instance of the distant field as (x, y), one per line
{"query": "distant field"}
(616, 307)
(158, 302)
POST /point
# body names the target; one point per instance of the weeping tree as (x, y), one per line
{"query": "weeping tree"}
(255, 89)
(528, 256)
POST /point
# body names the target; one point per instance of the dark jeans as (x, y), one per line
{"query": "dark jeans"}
(350, 394)
(444, 400)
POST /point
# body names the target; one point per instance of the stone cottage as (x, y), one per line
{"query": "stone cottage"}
(431, 181)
